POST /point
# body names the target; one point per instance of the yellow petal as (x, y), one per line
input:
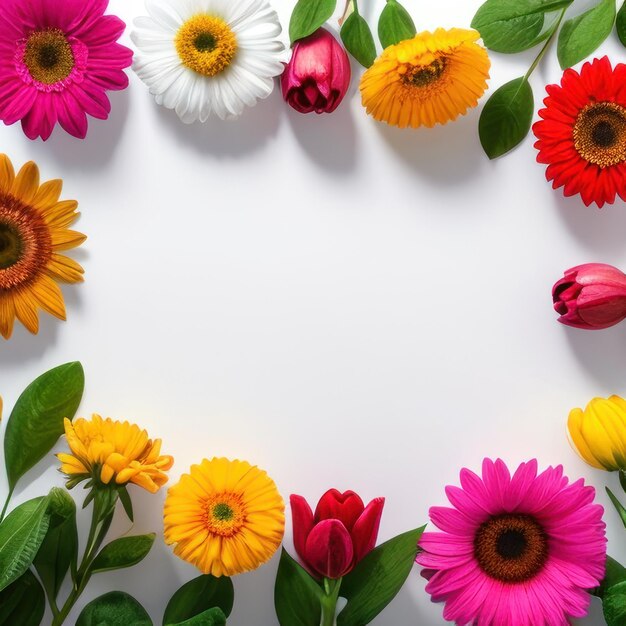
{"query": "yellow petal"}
(48, 194)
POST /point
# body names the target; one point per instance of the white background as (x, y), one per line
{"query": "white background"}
(343, 303)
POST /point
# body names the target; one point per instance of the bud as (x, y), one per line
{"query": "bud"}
(591, 296)
(318, 75)
(340, 533)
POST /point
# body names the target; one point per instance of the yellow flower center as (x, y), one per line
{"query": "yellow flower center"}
(225, 514)
(600, 134)
(25, 243)
(206, 44)
(48, 56)
(511, 548)
(423, 75)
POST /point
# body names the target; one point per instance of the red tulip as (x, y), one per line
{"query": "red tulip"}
(318, 75)
(342, 531)
(591, 296)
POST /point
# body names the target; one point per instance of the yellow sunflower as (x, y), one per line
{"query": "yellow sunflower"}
(105, 450)
(33, 230)
(430, 79)
(225, 517)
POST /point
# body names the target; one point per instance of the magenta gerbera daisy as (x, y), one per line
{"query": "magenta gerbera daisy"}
(515, 551)
(57, 60)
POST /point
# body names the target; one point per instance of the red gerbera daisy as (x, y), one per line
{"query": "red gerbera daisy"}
(582, 136)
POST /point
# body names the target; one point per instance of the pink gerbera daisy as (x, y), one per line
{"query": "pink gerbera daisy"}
(57, 60)
(515, 551)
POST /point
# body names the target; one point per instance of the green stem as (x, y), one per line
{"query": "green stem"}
(100, 522)
(329, 601)
(6, 503)
(622, 473)
(543, 51)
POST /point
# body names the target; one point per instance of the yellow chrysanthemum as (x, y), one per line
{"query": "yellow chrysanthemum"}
(105, 450)
(430, 79)
(33, 230)
(225, 517)
(599, 433)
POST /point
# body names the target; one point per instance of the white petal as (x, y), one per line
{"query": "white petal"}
(169, 13)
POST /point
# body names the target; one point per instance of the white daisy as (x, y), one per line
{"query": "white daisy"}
(208, 56)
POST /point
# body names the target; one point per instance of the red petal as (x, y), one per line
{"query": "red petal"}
(346, 507)
(365, 529)
(329, 549)
(302, 520)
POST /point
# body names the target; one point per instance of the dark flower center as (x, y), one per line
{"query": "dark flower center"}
(48, 56)
(600, 134)
(25, 243)
(421, 76)
(205, 42)
(511, 548)
(10, 246)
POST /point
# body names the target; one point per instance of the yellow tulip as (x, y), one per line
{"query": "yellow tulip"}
(599, 433)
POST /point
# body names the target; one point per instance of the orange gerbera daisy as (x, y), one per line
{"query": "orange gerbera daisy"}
(225, 517)
(430, 79)
(33, 230)
(110, 451)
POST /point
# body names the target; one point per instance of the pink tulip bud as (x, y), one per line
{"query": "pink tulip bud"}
(318, 75)
(591, 296)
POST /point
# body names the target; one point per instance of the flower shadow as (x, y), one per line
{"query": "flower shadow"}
(98, 147)
(599, 230)
(449, 154)
(227, 138)
(328, 139)
(603, 354)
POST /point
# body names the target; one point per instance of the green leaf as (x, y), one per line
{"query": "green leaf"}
(615, 574)
(296, 594)
(114, 609)
(59, 549)
(505, 120)
(514, 25)
(581, 35)
(210, 617)
(36, 422)
(123, 552)
(308, 16)
(395, 24)
(358, 39)
(621, 510)
(376, 580)
(620, 24)
(198, 595)
(21, 534)
(23, 602)
(614, 605)
(127, 503)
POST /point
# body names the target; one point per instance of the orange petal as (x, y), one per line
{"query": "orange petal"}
(67, 239)
(65, 269)
(49, 296)
(26, 183)
(7, 173)
(48, 194)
